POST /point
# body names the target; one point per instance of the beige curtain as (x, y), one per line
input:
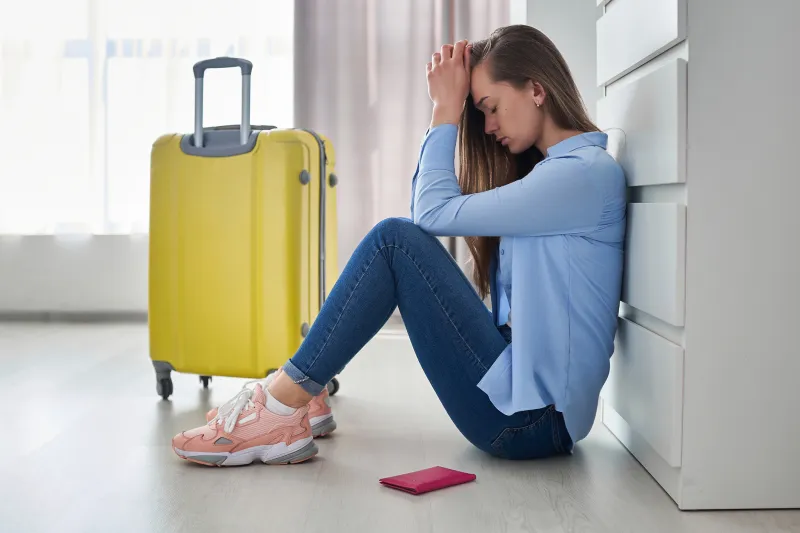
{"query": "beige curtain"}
(359, 79)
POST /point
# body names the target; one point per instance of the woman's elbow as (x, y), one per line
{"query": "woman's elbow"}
(426, 221)
(433, 224)
(422, 221)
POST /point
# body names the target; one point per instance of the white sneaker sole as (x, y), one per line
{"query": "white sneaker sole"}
(322, 425)
(271, 454)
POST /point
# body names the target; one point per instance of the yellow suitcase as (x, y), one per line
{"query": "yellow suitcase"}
(242, 243)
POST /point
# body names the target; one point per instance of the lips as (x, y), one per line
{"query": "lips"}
(503, 141)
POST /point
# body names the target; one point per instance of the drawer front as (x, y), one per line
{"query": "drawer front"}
(655, 261)
(632, 32)
(651, 112)
(645, 387)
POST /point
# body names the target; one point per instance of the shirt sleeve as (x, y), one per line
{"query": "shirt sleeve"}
(416, 173)
(557, 197)
(414, 190)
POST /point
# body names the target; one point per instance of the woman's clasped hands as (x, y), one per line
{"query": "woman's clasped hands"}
(448, 75)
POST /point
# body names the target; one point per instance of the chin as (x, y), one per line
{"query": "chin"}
(516, 148)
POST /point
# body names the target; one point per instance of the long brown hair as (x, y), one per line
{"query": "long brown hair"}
(515, 55)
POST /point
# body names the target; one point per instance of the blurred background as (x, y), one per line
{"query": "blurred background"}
(86, 86)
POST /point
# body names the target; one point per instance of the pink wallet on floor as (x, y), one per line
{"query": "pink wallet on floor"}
(427, 480)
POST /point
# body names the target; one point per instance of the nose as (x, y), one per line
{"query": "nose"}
(490, 126)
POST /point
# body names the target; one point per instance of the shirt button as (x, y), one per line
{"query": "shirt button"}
(502, 251)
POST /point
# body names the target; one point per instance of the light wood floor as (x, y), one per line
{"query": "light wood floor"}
(86, 447)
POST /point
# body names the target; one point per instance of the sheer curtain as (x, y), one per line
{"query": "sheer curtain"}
(86, 89)
(86, 86)
(360, 76)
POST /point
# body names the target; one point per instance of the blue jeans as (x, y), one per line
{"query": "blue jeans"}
(451, 330)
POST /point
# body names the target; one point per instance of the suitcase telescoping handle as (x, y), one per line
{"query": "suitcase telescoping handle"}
(221, 62)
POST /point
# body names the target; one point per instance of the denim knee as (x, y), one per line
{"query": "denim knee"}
(395, 224)
(395, 229)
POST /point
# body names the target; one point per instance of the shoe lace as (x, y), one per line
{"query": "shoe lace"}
(228, 413)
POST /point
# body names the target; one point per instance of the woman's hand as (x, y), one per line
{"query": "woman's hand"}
(448, 82)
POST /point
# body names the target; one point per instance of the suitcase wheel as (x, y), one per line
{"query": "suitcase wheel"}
(333, 386)
(164, 387)
(205, 380)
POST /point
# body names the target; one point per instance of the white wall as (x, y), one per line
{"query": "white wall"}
(81, 274)
(570, 24)
(742, 399)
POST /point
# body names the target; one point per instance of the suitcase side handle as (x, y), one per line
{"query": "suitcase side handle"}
(199, 73)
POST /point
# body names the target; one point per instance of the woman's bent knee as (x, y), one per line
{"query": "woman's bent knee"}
(397, 227)
(394, 224)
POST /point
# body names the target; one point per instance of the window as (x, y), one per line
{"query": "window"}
(86, 90)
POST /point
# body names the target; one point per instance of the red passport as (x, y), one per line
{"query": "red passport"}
(427, 480)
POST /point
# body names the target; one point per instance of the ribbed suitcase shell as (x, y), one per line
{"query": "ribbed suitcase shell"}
(235, 252)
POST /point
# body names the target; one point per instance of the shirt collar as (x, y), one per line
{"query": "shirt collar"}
(592, 138)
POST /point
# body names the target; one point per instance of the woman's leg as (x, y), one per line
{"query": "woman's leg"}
(398, 264)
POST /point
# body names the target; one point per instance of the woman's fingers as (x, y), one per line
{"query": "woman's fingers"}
(447, 51)
(458, 50)
(428, 67)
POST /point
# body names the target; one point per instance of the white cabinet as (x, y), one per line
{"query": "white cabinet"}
(634, 31)
(703, 384)
(655, 260)
(646, 388)
(651, 112)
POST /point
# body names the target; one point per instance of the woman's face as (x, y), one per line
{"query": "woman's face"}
(511, 115)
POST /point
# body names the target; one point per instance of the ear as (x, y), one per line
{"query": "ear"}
(538, 93)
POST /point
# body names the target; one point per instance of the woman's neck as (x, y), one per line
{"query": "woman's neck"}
(552, 135)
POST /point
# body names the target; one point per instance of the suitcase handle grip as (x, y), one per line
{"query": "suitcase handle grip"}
(221, 62)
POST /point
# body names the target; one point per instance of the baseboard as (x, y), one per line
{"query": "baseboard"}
(394, 322)
(74, 316)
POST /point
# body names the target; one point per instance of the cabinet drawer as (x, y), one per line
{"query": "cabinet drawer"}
(651, 112)
(632, 32)
(654, 279)
(645, 387)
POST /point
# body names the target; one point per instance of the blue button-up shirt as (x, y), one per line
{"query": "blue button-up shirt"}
(562, 230)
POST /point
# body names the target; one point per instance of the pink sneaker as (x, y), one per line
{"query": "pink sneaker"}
(319, 413)
(244, 430)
